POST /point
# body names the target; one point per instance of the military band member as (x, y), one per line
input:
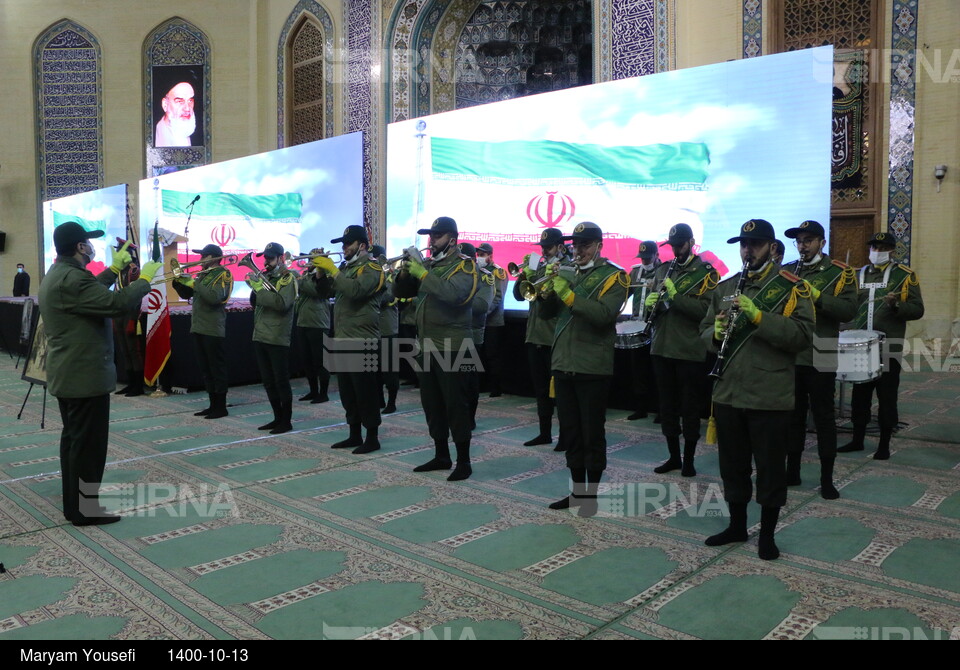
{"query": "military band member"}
(889, 298)
(641, 285)
(76, 307)
(539, 335)
(492, 344)
(444, 286)
(313, 324)
(482, 304)
(356, 316)
(210, 291)
(587, 306)
(678, 352)
(833, 289)
(754, 396)
(126, 329)
(272, 327)
(388, 371)
(779, 249)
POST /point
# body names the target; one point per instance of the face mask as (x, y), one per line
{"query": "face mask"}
(481, 262)
(879, 257)
(647, 266)
(816, 259)
(88, 258)
(19, 269)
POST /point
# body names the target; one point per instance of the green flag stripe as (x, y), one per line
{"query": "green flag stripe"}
(87, 224)
(276, 206)
(683, 162)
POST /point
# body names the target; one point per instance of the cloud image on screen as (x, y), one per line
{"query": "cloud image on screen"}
(102, 209)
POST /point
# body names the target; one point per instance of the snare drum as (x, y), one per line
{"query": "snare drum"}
(858, 355)
(629, 335)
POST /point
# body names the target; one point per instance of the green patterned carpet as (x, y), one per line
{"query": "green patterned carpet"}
(236, 534)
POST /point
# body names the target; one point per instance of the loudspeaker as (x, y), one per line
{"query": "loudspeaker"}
(3, 242)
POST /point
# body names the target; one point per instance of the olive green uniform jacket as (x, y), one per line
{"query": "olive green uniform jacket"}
(676, 332)
(211, 290)
(76, 308)
(273, 311)
(760, 375)
(356, 309)
(313, 311)
(892, 322)
(444, 301)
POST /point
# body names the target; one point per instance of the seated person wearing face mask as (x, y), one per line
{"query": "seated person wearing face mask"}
(889, 297)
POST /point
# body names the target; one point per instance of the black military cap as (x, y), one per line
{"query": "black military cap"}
(648, 249)
(486, 248)
(755, 229)
(272, 250)
(67, 235)
(812, 227)
(586, 231)
(441, 226)
(879, 239)
(211, 250)
(550, 237)
(468, 249)
(352, 234)
(679, 234)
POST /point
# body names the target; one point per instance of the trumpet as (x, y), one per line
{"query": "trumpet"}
(316, 253)
(178, 270)
(247, 262)
(530, 261)
(531, 290)
(409, 254)
(732, 313)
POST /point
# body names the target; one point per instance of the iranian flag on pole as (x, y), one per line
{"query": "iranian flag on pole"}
(158, 320)
(633, 193)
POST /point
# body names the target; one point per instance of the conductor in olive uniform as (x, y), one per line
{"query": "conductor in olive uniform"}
(833, 289)
(678, 352)
(272, 327)
(210, 291)
(587, 306)
(356, 316)
(754, 396)
(444, 286)
(76, 308)
(889, 297)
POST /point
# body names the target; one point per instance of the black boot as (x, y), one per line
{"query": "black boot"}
(883, 447)
(440, 460)
(284, 424)
(207, 409)
(463, 469)
(313, 394)
(588, 507)
(674, 462)
(689, 451)
(355, 439)
(134, 384)
(767, 549)
(218, 406)
(275, 404)
(736, 531)
(827, 490)
(546, 425)
(321, 396)
(639, 414)
(793, 469)
(856, 444)
(391, 402)
(578, 479)
(383, 403)
(370, 444)
(561, 442)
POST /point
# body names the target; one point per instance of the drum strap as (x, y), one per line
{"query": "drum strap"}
(872, 287)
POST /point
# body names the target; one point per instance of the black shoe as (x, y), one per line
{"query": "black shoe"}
(767, 549)
(134, 391)
(202, 412)
(495, 394)
(217, 413)
(282, 427)
(880, 455)
(639, 414)
(321, 397)
(461, 472)
(95, 520)
(850, 447)
(560, 446)
(434, 464)
(347, 443)
(268, 426)
(389, 409)
(538, 440)
(369, 446)
(566, 503)
(671, 464)
(687, 470)
(588, 506)
(124, 391)
(727, 536)
(309, 397)
(656, 419)
(828, 491)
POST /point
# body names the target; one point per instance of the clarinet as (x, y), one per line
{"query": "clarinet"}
(732, 313)
(648, 327)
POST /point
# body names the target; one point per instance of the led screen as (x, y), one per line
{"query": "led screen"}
(104, 209)
(712, 147)
(301, 197)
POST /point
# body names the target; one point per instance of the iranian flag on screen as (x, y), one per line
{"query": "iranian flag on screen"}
(518, 188)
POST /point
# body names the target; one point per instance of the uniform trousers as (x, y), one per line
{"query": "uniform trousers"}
(538, 358)
(388, 372)
(815, 391)
(493, 357)
(212, 358)
(644, 382)
(83, 453)
(582, 410)
(445, 396)
(274, 363)
(681, 386)
(745, 437)
(311, 348)
(887, 386)
(360, 397)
